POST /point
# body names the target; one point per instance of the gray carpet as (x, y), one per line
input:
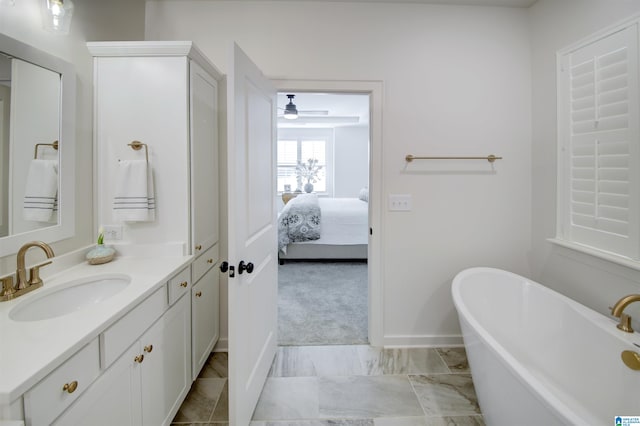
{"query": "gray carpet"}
(322, 303)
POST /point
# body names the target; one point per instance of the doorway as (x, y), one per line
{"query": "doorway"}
(332, 114)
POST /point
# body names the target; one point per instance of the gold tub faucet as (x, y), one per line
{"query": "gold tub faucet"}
(616, 311)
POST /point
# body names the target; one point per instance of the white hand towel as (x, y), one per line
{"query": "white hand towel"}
(134, 198)
(41, 191)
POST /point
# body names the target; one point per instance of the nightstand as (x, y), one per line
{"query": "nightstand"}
(287, 196)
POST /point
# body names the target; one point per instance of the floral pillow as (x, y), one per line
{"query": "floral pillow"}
(299, 220)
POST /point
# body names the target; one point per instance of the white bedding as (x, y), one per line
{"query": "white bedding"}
(344, 222)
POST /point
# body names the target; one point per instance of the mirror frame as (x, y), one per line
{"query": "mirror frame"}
(65, 228)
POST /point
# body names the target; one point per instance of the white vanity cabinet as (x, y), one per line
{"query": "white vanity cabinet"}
(203, 90)
(165, 94)
(204, 307)
(146, 384)
(47, 399)
(166, 366)
(114, 399)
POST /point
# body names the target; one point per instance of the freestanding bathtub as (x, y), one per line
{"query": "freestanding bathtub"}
(540, 358)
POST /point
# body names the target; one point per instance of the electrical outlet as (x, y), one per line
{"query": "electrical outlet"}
(112, 232)
(400, 202)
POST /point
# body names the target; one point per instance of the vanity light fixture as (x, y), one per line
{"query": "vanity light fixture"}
(290, 111)
(56, 16)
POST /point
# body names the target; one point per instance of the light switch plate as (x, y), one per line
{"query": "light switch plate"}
(400, 202)
(112, 232)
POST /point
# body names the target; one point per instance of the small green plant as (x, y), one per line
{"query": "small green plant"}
(101, 235)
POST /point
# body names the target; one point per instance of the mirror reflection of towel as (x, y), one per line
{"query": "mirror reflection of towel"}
(134, 199)
(41, 191)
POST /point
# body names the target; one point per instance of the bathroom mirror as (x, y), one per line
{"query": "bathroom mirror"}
(37, 113)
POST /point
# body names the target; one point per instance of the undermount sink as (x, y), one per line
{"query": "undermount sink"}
(70, 297)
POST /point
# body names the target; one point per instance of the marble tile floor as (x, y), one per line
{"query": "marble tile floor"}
(346, 386)
(207, 402)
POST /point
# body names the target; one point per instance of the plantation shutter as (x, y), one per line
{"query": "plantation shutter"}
(600, 141)
(287, 161)
(288, 152)
(316, 149)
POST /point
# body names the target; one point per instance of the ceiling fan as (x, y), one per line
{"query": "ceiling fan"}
(291, 112)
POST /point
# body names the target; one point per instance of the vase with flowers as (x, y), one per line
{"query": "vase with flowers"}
(308, 171)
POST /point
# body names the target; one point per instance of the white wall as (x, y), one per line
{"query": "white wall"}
(113, 20)
(456, 81)
(164, 127)
(351, 160)
(555, 25)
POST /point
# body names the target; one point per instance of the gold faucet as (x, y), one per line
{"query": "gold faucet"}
(9, 291)
(616, 311)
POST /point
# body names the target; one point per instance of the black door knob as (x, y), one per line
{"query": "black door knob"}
(224, 266)
(245, 267)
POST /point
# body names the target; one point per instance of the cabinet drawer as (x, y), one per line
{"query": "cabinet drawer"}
(117, 338)
(53, 394)
(179, 284)
(204, 262)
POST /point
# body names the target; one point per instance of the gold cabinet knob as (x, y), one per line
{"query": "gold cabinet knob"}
(198, 293)
(184, 284)
(209, 260)
(148, 348)
(199, 247)
(70, 387)
(631, 359)
(139, 358)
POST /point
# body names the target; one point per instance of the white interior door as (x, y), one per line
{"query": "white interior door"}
(252, 234)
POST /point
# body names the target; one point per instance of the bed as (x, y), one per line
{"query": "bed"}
(343, 231)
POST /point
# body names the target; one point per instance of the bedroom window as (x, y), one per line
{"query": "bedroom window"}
(294, 148)
(599, 145)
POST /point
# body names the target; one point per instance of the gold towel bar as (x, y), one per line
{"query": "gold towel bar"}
(490, 158)
(137, 145)
(54, 145)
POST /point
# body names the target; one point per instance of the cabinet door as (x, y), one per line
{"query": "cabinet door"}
(113, 399)
(166, 369)
(204, 159)
(204, 318)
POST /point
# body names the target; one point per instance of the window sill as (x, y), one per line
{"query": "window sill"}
(611, 257)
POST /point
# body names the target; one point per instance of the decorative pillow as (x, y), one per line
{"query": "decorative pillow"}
(299, 220)
(364, 194)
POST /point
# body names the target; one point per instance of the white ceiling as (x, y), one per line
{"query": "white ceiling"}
(325, 110)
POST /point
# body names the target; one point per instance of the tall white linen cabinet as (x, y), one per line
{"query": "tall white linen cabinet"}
(165, 95)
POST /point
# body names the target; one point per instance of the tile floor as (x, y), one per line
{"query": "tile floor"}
(346, 386)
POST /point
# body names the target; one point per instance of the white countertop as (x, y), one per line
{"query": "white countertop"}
(31, 350)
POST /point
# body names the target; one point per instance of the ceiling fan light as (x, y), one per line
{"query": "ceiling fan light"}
(290, 114)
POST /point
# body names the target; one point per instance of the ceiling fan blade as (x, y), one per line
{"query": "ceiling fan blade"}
(313, 111)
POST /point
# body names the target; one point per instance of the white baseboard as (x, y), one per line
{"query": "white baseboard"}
(423, 341)
(222, 345)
